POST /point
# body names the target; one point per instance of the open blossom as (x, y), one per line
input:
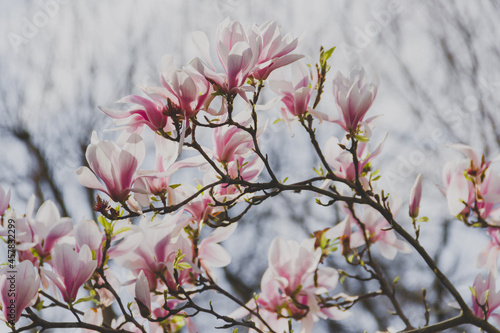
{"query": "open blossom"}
(297, 94)
(342, 162)
(489, 255)
(115, 164)
(484, 294)
(184, 92)
(94, 317)
(152, 247)
(291, 284)
(144, 111)
(71, 269)
(25, 281)
(231, 142)
(276, 49)
(469, 183)
(354, 96)
(4, 200)
(40, 231)
(378, 231)
(87, 233)
(157, 181)
(185, 87)
(237, 53)
(415, 196)
(458, 190)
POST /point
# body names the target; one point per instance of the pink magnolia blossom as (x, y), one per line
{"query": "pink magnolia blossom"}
(18, 290)
(190, 90)
(115, 164)
(166, 154)
(157, 181)
(378, 231)
(94, 317)
(237, 53)
(276, 49)
(484, 294)
(291, 284)
(88, 233)
(297, 94)
(71, 269)
(230, 142)
(152, 247)
(354, 96)
(459, 191)
(144, 111)
(40, 232)
(469, 183)
(478, 164)
(201, 208)
(415, 196)
(4, 200)
(248, 170)
(342, 162)
(489, 255)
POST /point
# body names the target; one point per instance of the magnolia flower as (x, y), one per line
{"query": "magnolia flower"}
(185, 87)
(290, 286)
(18, 289)
(354, 96)
(231, 142)
(470, 184)
(489, 255)
(297, 94)
(237, 53)
(42, 231)
(157, 181)
(152, 247)
(485, 296)
(415, 196)
(378, 231)
(458, 190)
(70, 269)
(149, 112)
(4, 200)
(94, 317)
(477, 165)
(342, 162)
(275, 49)
(115, 164)
(88, 233)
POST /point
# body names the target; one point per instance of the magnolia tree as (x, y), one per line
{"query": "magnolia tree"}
(73, 267)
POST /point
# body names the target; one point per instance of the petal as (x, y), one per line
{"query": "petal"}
(88, 179)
